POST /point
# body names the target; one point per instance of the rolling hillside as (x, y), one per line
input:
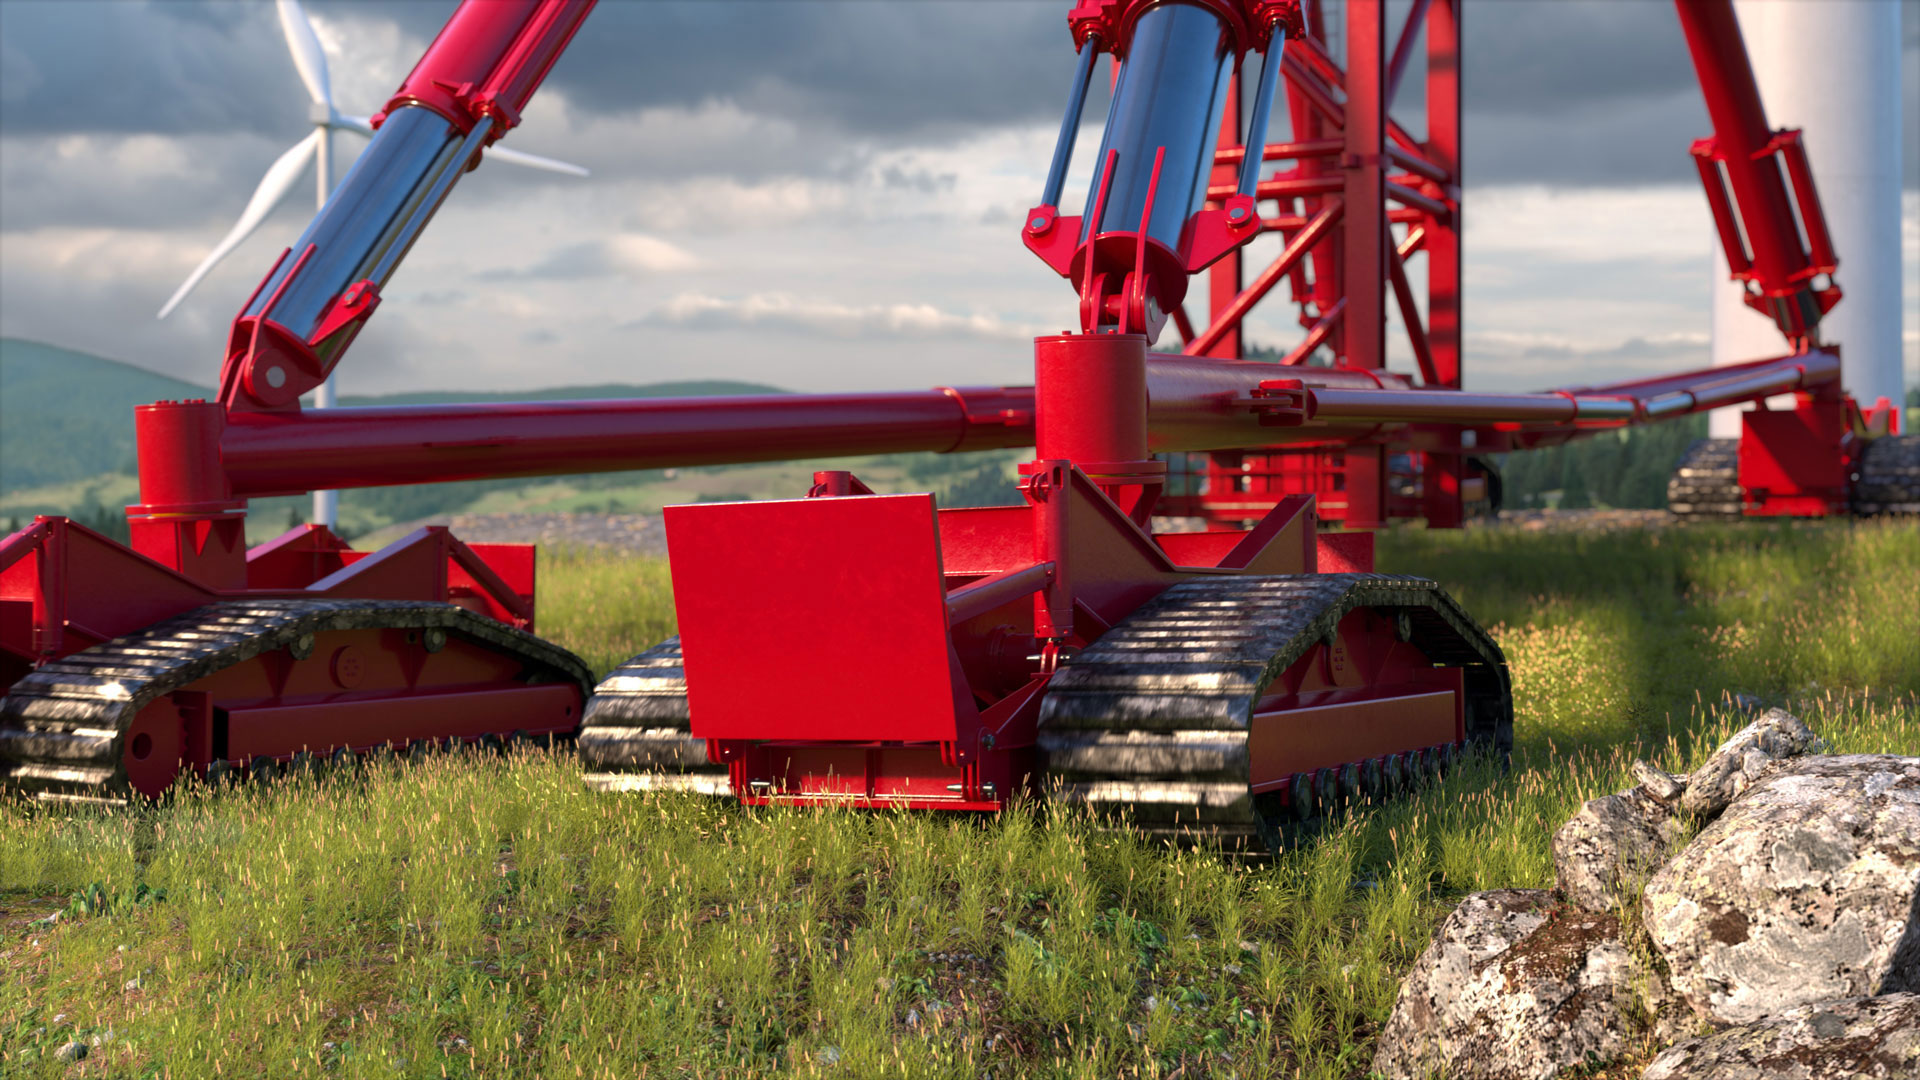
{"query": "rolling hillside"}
(67, 444)
(66, 416)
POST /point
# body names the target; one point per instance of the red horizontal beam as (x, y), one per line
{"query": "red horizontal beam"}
(282, 453)
(1442, 406)
(1233, 155)
(1196, 404)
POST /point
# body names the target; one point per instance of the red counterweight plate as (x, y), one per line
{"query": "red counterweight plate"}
(815, 619)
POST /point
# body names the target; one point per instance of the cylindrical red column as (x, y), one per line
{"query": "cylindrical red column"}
(179, 444)
(187, 517)
(1090, 397)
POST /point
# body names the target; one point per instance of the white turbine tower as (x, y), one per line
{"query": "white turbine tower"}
(311, 61)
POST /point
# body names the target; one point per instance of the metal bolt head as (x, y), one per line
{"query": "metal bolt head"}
(1238, 213)
(1039, 222)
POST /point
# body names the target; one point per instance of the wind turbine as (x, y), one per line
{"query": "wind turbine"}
(311, 61)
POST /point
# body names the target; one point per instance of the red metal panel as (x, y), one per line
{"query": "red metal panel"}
(364, 722)
(1346, 552)
(1792, 462)
(815, 619)
(1348, 727)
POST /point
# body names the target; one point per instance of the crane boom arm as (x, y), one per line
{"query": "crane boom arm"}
(1740, 166)
(465, 93)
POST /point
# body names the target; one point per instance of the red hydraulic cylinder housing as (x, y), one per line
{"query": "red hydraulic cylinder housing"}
(465, 93)
(488, 60)
(1145, 227)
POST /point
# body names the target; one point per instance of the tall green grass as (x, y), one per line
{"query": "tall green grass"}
(472, 917)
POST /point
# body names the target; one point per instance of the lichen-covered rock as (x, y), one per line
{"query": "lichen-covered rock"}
(1604, 852)
(1864, 1038)
(1740, 760)
(1806, 889)
(1515, 985)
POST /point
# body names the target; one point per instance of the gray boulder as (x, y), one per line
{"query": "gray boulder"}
(1740, 760)
(1807, 889)
(1515, 985)
(1865, 1038)
(1607, 850)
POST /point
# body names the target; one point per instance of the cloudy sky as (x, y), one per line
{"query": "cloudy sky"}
(818, 195)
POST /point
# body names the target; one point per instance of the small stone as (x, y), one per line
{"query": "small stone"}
(1231, 969)
(1152, 1003)
(1746, 703)
(1660, 785)
(73, 1051)
(1732, 768)
(1863, 1038)
(131, 984)
(828, 1055)
(1251, 948)
(59, 1018)
(913, 1017)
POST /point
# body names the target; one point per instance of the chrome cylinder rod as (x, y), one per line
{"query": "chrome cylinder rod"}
(372, 218)
(1070, 124)
(1262, 111)
(1169, 95)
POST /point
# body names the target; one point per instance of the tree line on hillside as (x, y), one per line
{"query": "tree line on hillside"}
(1625, 469)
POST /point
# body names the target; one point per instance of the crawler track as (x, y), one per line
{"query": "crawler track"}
(1152, 720)
(635, 734)
(1705, 485)
(63, 728)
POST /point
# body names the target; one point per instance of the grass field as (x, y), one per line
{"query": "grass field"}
(479, 918)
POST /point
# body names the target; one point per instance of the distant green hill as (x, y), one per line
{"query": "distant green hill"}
(67, 417)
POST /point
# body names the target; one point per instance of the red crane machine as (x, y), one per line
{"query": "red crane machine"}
(853, 647)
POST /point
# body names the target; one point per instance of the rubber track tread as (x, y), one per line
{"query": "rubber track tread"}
(1705, 485)
(63, 725)
(1889, 478)
(637, 723)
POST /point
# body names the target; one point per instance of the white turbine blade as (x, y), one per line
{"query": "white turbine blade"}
(535, 161)
(308, 56)
(273, 187)
(361, 124)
